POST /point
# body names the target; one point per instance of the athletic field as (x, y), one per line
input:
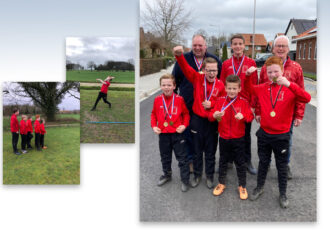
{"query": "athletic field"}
(91, 76)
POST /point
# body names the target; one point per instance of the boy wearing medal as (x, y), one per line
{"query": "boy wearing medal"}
(277, 99)
(23, 132)
(232, 113)
(103, 92)
(237, 65)
(169, 118)
(29, 130)
(207, 88)
(37, 132)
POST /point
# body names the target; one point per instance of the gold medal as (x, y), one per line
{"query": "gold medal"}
(275, 79)
(272, 114)
(201, 72)
(165, 124)
(171, 123)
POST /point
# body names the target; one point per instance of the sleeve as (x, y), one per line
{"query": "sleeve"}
(252, 89)
(153, 117)
(189, 72)
(185, 113)
(213, 110)
(253, 100)
(301, 95)
(178, 75)
(223, 74)
(248, 115)
(299, 107)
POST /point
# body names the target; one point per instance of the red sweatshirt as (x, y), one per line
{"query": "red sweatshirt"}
(227, 69)
(180, 115)
(29, 126)
(14, 126)
(37, 127)
(23, 127)
(284, 107)
(104, 88)
(42, 129)
(198, 83)
(293, 72)
(229, 127)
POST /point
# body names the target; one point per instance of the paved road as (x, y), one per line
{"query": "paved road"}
(168, 203)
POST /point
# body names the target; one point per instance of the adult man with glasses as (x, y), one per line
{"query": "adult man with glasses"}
(185, 89)
(293, 72)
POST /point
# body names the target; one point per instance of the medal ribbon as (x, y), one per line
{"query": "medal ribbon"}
(284, 63)
(205, 90)
(166, 109)
(240, 65)
(271, 99)
(223, 108)
(198, 63)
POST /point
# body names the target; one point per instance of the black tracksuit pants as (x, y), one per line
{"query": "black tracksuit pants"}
(42, 138)
(205, 140)
(104, 97)
(37, 140)
(232, 150)
(29, 138)
(23, 141)
(247, 138)
(279, 143)
(14, 141)
(167, 143)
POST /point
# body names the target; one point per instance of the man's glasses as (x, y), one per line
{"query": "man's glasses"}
(281, 46)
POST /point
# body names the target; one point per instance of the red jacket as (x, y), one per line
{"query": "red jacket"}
(180, 115)
(42, 129)
(29, 126)
(229, 127)
(104, 88)
(293, 72)
(37, 128)
(14, 127)
(227, 69)
(23, 127)
(284, 107)
(198, 82)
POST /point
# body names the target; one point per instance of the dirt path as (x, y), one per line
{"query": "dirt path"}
(113, 84)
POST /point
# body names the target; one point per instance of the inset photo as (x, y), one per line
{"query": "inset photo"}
(104, 66)
(41, 133)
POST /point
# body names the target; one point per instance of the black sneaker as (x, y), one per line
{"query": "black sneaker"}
(195, 182)
(17, 153)
(284, 203)
(184, 187)
(93, 109)
(209, 183)
(256, 193)
(251, 169)
(163, 179)
(109, 106)
(289, 173)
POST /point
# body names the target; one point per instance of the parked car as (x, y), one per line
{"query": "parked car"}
(261, 61)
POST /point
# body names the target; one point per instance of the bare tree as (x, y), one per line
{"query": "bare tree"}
(91, 65)
(167, 18)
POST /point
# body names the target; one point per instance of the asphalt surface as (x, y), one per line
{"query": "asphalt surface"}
(168, 203)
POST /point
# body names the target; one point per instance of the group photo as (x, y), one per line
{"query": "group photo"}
(41, 133)
(105, 68)
(228, 119)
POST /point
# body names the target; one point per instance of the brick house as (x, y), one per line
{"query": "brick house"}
(260, 44)
(306, 52)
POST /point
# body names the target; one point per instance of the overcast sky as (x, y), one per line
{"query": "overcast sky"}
(68, 102)
(236, 16)
(99, 49)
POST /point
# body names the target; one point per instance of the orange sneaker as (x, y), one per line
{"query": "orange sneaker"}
(219, 189)
(242, 193)
(44, 147)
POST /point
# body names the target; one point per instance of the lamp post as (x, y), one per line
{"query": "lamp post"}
(254, 25)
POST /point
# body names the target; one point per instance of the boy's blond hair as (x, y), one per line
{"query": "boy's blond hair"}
(167, 76)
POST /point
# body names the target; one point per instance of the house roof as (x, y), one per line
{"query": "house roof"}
(307, 34)
(301, 25)
(260, 39)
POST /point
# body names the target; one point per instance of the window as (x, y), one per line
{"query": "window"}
(246, 48)
(299, 51)
(309, 51)
(315, 51)
(258, 47)
(304, 50)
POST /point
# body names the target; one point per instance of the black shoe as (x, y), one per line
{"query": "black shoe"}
(256, 193)
(93, 109)
(230, 165)
(284, 203)
(184, 187)
(289, 173)
(251, 169)
(163, 179)
(209, 183)
(17, 153)
(195, 182)
(30, 147)
(38, 149)
(109, 106)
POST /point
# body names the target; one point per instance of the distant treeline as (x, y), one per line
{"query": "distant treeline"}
(30, 109)
(108, 65)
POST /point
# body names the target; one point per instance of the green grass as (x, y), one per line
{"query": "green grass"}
(122, 110)
(311, 76)
(59, 164)
(91, 76)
